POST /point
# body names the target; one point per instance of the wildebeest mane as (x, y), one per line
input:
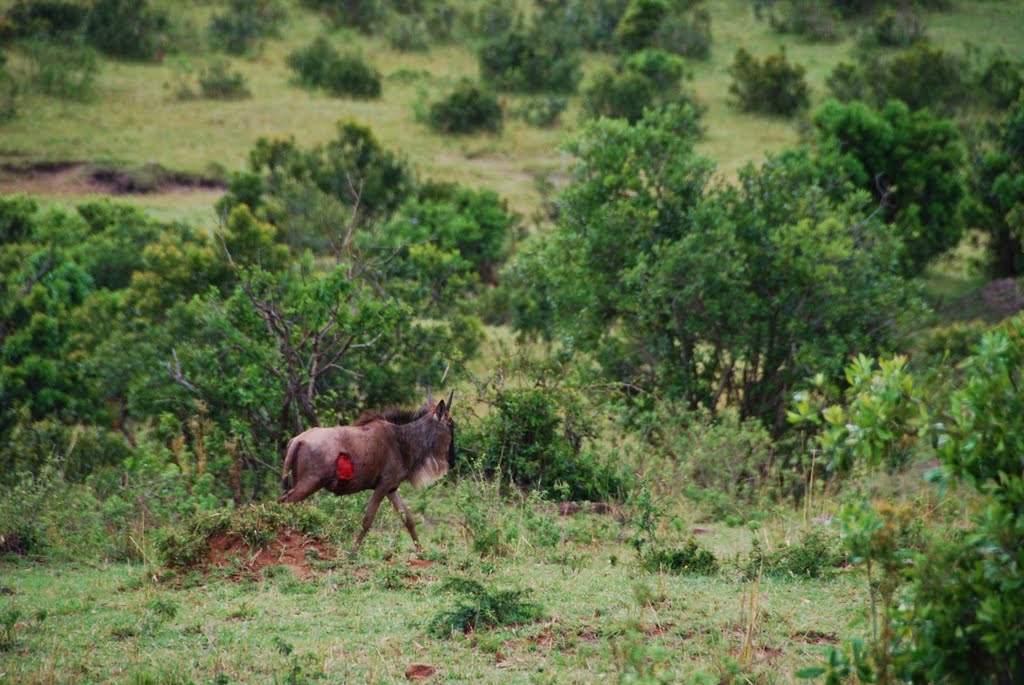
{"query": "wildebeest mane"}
(396, 415)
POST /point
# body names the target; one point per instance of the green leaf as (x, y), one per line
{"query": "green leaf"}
(810, 672)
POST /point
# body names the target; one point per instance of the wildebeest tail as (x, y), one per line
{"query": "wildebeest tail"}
(289, 466)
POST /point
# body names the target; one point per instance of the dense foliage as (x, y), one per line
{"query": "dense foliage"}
(774, 86)
(708, 293)
(910, 161)
(959, 617)
(466, 109)
(320, 65)
(997, 193)
(649, 78)
(538, 59)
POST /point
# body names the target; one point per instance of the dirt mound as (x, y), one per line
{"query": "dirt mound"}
(82, 178)
(288, 548)
(419, 672)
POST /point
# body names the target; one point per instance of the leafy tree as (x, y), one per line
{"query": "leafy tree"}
(911, 162)
(319, 65)
(354, 169)
(538, 434)
(619, 94)
(531, 60)
(244, 23)
(287, 350)
(466, 109)
(707, 294)
(773, 87)
(475, 223)
(591, 23)
(997, 194)
(639, 23)
(920, 76)
(649, 78)
(126, 28)
(360, 14)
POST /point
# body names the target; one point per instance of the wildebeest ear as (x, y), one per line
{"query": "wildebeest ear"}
(439, 411)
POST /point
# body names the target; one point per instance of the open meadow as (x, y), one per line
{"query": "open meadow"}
(737, 376)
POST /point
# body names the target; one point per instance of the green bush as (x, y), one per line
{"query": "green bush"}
(619, 94)
(774, 86)
(664, 69)
(477, 224)
(408, 33)
(960, 618)
(63, 71)
(535, 60)
(687, 34)
(920, 76)
(495, 19)
(650, 78)
(815, 554)
(812, 19)
(319, 65)
(386, 179)
(44, 515)
(467, 109)
(218, 82)
(999, 80)
(533, 438)
(130, 29)
(590, 23)
(639, 23)
(83, 448)
(655, 556)
(244, 23)
(918, 152)
(898, 28)
(542, 112)
(691, 558)
(359, 14)
(480, 607)
(719, 452)
(54, 18)
(846, 83)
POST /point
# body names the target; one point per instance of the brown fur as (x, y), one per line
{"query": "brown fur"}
(386, 447)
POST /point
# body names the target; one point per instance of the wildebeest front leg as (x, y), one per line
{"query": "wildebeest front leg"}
(402, 509)
(371, 513)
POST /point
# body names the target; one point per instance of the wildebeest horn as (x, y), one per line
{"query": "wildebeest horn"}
(430, 398)
(450, 396)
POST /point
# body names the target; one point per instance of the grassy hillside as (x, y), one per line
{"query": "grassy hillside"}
(134, 118)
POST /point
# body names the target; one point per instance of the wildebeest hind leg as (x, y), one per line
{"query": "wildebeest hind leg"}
(371, 513)
(303, 489)
(403, 510)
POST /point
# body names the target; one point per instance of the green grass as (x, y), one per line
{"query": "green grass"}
(603, 616)
(135, 119)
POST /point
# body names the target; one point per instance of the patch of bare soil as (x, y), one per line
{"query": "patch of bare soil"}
(289, 549)
(82, 178)
(815, 637)
(419, 672)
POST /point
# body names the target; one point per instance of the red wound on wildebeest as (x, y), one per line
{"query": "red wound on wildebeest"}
(345, 467)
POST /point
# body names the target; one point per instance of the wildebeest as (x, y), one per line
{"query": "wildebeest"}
(382, 450)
